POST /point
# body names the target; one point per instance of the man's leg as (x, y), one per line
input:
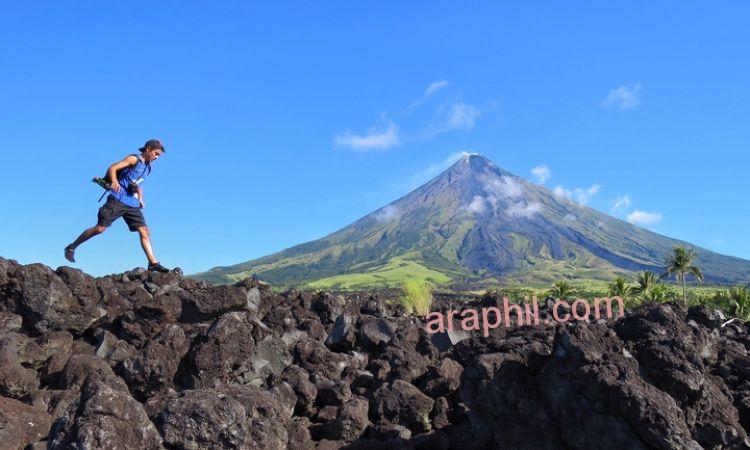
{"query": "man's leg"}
(136, 222)
(146, 244)
(85, 236)
(107, 214)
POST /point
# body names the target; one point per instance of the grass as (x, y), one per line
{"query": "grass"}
(417, 298)
(391, 275)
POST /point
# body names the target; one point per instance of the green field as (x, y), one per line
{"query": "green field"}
(393, 274)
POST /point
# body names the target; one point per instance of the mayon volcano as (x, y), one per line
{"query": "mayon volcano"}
(475, 224)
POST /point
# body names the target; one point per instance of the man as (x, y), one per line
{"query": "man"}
(126, 200)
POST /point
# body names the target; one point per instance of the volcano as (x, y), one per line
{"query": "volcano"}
(477, 223)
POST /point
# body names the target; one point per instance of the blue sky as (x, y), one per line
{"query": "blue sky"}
(284, 122)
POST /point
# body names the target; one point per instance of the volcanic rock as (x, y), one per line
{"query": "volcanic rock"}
(150, 360)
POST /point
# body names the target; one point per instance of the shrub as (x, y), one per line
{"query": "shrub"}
(562, 289)
(515, 294)
(658, 293)
(736, 301)
(417, 298)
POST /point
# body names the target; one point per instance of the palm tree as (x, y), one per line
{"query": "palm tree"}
(680, 264)
(645, 279)
(561, 289)
(620, 288)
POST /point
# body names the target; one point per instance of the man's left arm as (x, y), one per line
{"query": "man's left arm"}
(140, 197)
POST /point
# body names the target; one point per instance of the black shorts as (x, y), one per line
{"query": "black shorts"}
(114, 209)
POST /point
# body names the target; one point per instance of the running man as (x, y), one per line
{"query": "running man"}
(126, 200)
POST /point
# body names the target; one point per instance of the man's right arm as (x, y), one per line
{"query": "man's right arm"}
(112, 170)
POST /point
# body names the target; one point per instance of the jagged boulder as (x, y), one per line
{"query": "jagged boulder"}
(105, 417)
(227, 417)
(153, 369)
(305, 391)
(344, 334)
(211, 302)
(237, 348)
(402, 403)
(375, 333)
(148, 316)
(442, 379)
(351, 421)
(21, 424)
(315, 357)
(46, 302)
(16, 381)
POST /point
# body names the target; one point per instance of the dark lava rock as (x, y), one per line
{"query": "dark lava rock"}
(328, 307)
(46, 303)
(237, 348)
(375, 333)
(343, 335)
(228, 417)
(352, 420)
(212, 302)
(104, 418)
(153, 369)
(403, 404)
(151, 360)
(80, 368)
(16, 381)
(299, 434)
(10, 323)
(304, 389)
(442, 379)
(21, 424)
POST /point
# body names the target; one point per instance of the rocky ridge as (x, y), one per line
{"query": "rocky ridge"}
(144, 360)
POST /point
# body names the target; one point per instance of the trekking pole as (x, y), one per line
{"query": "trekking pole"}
(103, 183)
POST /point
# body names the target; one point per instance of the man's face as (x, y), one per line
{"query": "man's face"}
(152, 154)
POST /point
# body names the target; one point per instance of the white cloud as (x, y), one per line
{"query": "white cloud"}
(436, 86)
(432, 170)
(621, 203)
(542, 173)
(388, 213)
(562, 193)
(509, 188)
(581, 195)
(639, 217)
(376, 138)
(584, 195)
(523, 209)
(462, 117)
(503, 187)
(570, 217)
(477, 205)
(458, 116)
(624, 97)
(429, 92)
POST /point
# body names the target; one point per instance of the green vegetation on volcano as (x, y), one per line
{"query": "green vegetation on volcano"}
(390, 275)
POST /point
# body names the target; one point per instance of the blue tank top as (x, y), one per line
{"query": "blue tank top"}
(131, 176)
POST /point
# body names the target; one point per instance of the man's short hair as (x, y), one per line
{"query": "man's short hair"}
(152, 144)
